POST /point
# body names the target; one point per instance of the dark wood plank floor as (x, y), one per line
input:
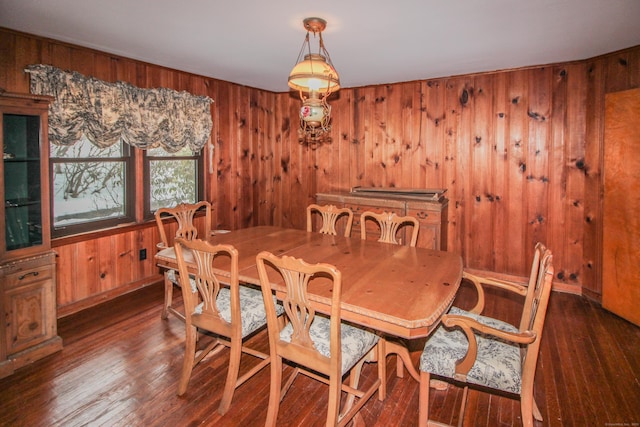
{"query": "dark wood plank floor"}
(121, 362)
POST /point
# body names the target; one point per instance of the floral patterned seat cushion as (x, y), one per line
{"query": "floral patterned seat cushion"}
(498, 364)
(252, 310)
(172, 275)
(355, 342)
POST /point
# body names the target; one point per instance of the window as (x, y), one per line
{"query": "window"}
(90, 187)
(94, 188)
(172, 178)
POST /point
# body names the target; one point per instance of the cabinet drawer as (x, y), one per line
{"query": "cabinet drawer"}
(425, 216)
(358, 209)
(27, 276)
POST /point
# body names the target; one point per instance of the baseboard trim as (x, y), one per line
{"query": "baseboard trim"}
(96, 299)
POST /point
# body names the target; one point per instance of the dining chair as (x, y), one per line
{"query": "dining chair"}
(330, 215)
(389, 224)
(167, 218)
(320, 347)
(230, 313)
(477, 350)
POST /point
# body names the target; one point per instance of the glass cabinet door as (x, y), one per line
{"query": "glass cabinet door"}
(22, 181)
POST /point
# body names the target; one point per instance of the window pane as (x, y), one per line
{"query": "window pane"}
(85, 149)
(160, 152)
(88, 191)
(172, 182)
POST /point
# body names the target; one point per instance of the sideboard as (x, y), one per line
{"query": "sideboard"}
(429, 206)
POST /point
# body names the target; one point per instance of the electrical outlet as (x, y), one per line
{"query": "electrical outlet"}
(143, 254)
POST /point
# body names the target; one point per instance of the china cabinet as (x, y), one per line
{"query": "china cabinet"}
(27, 264)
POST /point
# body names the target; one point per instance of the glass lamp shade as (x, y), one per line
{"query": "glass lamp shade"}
(314, 113)
(314, 74)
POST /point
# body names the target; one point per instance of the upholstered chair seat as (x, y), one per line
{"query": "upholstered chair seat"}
(498, 362)
(252, 311)
(355, 342)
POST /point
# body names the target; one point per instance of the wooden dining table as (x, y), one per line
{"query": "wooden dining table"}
(397, 290)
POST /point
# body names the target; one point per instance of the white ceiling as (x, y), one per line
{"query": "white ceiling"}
(256, 42)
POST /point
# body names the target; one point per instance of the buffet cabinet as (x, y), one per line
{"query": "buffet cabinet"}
(428, 206)
(28, 330)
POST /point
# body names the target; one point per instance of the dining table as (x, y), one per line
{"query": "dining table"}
(399, 291)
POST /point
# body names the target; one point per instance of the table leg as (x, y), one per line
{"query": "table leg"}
(393, 347)
(404, 358)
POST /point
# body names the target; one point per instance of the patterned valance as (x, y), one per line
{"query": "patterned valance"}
(107, 112)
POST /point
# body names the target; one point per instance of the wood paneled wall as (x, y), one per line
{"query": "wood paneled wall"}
(519, 152)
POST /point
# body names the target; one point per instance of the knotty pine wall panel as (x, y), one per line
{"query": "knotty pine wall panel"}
(449, 123)
(241, 157)
(501, 165)
(591, 167)
(283, 151)
(516, 144)
(431, 151)
(536, 157)
(266, 172)
(261, 112)
(224, 129)
(379, 144)
(519, 152)
(459, 101)
(273, 155)
(482, 192)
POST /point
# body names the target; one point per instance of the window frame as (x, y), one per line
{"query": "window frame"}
(198, 157)
(128, 161)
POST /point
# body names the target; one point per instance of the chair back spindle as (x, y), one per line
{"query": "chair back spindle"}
(330, 216)
(389, 223)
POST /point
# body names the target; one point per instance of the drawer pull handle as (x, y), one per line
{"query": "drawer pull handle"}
(34, 273)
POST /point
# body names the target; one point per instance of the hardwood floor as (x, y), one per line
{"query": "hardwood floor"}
(121, 362)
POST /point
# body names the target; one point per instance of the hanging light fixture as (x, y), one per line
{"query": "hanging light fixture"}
(315, 78)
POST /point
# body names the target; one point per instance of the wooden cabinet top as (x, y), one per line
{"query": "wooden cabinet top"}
(432, 199)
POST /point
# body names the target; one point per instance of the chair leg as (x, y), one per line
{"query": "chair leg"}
(354, 382)
(274, 390)
(232, 375)
(536, 411)
(168, 296)
(333, 405)
(189, 358)
(529, 409)
(463, 406)
(423, 402)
